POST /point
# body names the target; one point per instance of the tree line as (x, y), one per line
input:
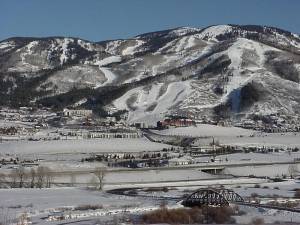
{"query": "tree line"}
(41, 177)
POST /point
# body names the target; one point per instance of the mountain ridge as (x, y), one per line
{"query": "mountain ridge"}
(221, 72)
(151, 32)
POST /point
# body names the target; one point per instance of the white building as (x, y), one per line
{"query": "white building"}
(78, 112)
(114, 135)
(181, 161)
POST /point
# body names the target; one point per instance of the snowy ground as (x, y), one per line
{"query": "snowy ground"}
(159, 176)
(187, 184)
(272, 140)
(265, 170)
(80, 146)
(206, 130)
(270, 216)
(283, 190)
(265, 189)
(260, 157)
(236, 136)
(132, 177)
(65, 156)
(40, 203)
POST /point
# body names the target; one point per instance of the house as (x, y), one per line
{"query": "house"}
(175, 122)
(197, 150)
(186, 160)
(140, 125)
(77, 112)
(96, 134)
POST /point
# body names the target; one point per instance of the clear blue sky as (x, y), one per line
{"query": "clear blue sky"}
(111, 19)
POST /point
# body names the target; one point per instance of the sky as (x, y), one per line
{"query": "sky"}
(98, 20)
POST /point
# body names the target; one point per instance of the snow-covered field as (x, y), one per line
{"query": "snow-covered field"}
(40, 203)
(266, 170)
(188, 184)
(236, 136)
(80, 146)
(267, 190)
(85, 177)
(206, 130)
(66, 155)
(284, 189)
(55, 197)
(259, 157)
(158, 176)
(283, 140)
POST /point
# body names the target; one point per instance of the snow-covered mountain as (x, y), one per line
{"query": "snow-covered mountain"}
(219, 72)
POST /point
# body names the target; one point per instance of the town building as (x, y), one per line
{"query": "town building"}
(175, 122)
(186, 160)
(77, 112)
(96, 134)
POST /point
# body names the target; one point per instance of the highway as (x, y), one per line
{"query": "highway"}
(200, 166)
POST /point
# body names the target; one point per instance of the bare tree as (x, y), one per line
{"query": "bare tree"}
(3, 180)
(20, 172)
(93, 183)
(40, 176)
(6, 217)
(49, 177)
(257, 221)
(23, 219)
(32, 177)
(13, 178)
(72, 179)
(100, 173)
(292, 170)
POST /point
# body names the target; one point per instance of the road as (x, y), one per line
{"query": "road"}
(201, 166)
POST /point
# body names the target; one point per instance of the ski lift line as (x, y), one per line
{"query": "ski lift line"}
(132, 70)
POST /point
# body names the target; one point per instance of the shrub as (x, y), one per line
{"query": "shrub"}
(287, 204)
(220, 215)
(277, 179)
(257, 221)
(254, 195)
(297, 193)
(132, 192)
(88, 207)
(156, 189)
(165, 189)
(241, 213)
(189, 216)
(164, 215)
(256, 186)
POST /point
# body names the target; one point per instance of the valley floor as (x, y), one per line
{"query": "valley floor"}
(73, 197)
